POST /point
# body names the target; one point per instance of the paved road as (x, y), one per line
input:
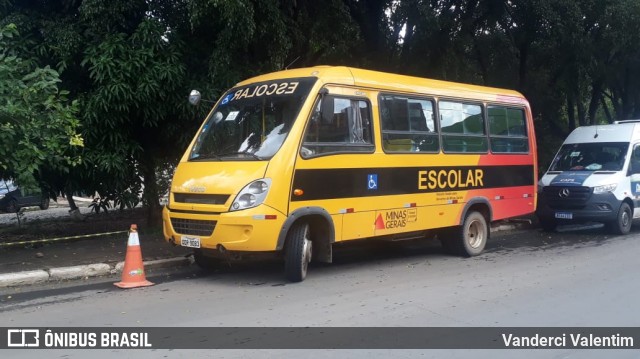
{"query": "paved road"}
(526, 278)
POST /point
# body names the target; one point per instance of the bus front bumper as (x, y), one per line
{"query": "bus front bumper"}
(251, 230)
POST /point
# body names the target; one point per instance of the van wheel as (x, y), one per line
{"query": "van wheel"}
(547, 225)
(44, 204)
(298, 252)
(622, 224)
(469, 239)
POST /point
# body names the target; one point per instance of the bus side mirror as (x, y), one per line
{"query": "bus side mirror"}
(194, 97)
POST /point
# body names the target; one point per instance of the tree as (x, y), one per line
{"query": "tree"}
(38, 125)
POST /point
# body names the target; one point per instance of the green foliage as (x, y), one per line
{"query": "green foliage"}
(38, 125)
(128, 66)
(100, 204)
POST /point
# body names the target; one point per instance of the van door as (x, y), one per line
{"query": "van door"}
(634, 178)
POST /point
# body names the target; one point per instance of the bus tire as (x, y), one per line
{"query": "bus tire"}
(471, 237)
(623, 221)
(205, 262)
(298, 252)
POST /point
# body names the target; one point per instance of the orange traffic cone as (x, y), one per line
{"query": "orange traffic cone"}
(133, 271)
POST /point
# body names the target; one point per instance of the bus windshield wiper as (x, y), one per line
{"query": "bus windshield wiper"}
(208, 156)
(252, 155)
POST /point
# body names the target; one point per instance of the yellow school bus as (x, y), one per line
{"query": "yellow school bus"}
(291, 162)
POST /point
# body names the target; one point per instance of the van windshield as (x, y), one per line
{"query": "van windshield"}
(603, 156)
(251, 122)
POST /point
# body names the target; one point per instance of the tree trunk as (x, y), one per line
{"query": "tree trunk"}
(72, 203)
(582, 120)
(522, 69)
(150, 195)
(571, 116)
(606, 110)
(596, 93)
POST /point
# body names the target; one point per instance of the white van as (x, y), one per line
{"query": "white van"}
(595, 177)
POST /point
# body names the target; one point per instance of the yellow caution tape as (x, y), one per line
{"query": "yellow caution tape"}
(59, 239)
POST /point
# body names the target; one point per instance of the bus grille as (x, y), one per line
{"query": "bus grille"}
(201, 198)
(557, 197)
(193, 226)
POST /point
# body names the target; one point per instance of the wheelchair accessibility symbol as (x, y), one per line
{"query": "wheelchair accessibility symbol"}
(372, 183)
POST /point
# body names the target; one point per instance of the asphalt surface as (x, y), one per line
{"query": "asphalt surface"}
(581, 278)
(76, 259)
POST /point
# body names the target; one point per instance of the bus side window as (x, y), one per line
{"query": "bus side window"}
(507, 130)
(407, 125)
(338, 125)
(462, 127)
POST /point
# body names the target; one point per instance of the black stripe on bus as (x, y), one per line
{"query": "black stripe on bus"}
(368, 182)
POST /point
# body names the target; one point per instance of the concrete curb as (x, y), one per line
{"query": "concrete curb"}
(155, 264)
(23, 278)
(76, 272)
(82, 271)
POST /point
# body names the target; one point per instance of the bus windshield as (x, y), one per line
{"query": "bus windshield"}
(251, 122)
(599, 156)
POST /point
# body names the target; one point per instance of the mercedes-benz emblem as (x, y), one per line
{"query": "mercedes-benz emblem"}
(564, 193)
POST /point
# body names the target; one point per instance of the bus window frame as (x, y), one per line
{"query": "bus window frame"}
(526, 136)
(483, 115)
(342, 145)
(434, 133)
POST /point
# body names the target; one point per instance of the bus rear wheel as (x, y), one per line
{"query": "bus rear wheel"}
(469, 239)
(298, 252)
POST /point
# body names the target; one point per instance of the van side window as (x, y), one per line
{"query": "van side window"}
(635, 160)
(338, 125)
(408, 125)
(462, 127)
(507, 130)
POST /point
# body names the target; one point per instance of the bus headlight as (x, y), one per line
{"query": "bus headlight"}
(605, 188)
(251, 195)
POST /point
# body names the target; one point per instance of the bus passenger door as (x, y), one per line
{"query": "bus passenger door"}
(337, 143)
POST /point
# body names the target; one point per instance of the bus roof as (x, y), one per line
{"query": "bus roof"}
(350, 76)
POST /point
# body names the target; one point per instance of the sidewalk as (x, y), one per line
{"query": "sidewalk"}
(77, 259)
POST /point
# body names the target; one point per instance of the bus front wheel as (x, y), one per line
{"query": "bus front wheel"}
(205, 262)
(469, 239)
(298, 251)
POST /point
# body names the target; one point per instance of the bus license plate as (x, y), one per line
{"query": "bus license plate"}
(564, 215)
(187, 241)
